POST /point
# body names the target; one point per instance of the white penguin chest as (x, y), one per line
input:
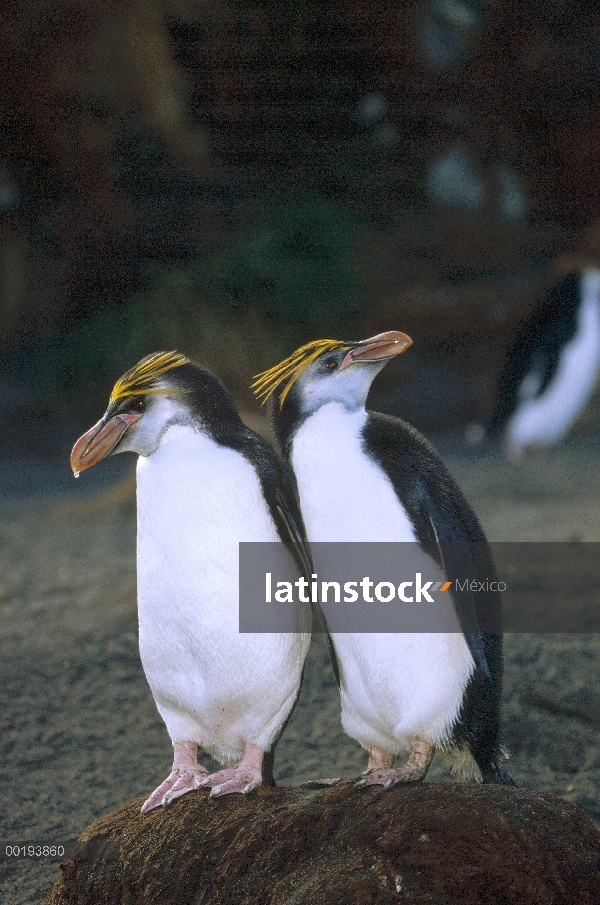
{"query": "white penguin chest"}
(344, 495)
(394, 686)
(196, 501)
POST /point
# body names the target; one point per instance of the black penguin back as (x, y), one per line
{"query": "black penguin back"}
(441, 517)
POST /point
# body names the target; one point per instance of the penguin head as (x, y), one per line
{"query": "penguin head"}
(327, 371)
(162, 390)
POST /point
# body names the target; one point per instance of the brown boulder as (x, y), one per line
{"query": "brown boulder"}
(423, 843)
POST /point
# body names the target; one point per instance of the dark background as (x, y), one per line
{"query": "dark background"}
(234, 179)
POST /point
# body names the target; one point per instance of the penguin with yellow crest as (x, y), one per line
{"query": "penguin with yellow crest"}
(366, 477)
(205, 483)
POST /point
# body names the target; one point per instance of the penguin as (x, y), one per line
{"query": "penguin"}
(205, 483)
(367, 477)
(551, 367)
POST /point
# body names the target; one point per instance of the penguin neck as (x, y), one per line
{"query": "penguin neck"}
(183, 435)
(330, 428)
(184, 451)
(287, 422)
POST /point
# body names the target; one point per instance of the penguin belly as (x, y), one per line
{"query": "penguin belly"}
(212, 684)
(546, 419)
(399, 687)
(394, 687)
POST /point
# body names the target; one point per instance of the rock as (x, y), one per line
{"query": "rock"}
(424, 843)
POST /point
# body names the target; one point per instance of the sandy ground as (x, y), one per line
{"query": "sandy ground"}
(80, 731)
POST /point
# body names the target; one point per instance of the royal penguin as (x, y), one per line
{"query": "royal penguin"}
(367, 477)
(205, 483)
(551, 367)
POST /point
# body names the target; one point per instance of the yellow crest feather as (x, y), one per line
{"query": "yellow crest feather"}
(138, 381)
(289, 370)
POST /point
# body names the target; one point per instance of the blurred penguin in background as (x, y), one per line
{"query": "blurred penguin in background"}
(551, 367)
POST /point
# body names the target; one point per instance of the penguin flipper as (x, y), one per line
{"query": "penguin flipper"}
(457, 563)
(293, 536)
(298, 544)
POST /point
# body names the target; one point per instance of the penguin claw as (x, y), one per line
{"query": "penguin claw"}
(231, 781)
(414, 770)
(320, 783)
(184, 777)
(365, 774)
(249, 788)
(174, 786)
(363, 782)
(227, 788)
(243, 777)
(158, 796)
(387, 781)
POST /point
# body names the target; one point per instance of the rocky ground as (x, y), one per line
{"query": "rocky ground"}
(80, 732)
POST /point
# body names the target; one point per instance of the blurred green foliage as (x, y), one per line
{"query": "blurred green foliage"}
(289, 277)
(295, 266)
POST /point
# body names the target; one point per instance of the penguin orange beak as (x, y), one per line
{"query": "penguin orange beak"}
(97, 443)
(378, 348)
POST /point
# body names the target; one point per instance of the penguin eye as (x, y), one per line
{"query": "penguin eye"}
(331, 364)
(137, 405)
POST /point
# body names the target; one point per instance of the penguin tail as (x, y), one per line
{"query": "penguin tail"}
(494, 771)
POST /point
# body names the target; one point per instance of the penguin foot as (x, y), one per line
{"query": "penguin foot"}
(242, 778)
(185, 776)
(378, 760)
(414, 770)
(320, 783)
(177, 783)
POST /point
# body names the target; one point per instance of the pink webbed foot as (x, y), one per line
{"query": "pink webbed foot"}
(380, 771)
(378, 759)
(186, 775)
(243, 778)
